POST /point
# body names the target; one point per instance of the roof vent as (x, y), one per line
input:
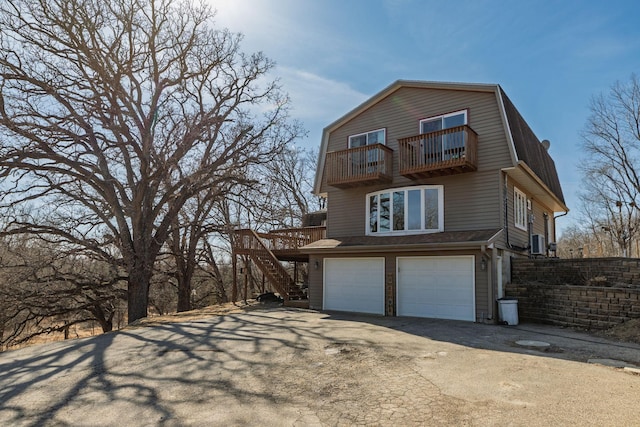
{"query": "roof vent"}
(546, 144)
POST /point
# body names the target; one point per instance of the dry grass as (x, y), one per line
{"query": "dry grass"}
(201, 313)
(83, 331)
(75, 331)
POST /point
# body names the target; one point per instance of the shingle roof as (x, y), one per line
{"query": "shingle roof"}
(530, 150)
(437, 240)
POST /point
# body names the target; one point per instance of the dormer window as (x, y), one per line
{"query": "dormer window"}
(409, 210)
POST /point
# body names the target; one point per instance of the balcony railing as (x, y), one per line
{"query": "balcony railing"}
(292, 239)
(370, 164)
(284, 243)
(443, 152)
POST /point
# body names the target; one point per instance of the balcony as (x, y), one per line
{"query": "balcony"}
(367, 165)
(444, 152)
(285, 243)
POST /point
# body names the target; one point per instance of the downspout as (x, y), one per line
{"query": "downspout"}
(555, 238)
(546, 234)
(506, 209)
(530, 220)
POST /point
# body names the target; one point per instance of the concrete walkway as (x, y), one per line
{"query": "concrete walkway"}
(289, 367)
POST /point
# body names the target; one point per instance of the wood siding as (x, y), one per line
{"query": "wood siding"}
(469, 204)
(472, 200)
(520, 237)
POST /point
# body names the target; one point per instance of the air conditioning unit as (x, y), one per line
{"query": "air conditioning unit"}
(537, 244)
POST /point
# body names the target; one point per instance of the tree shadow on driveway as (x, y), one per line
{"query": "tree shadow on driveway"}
(564, 343)
(269, 364)
(151, 373)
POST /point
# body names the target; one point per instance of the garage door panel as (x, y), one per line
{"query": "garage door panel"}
(437, 287)
(354, 284)
(437, 311)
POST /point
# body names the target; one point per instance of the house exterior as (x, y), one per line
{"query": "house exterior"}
(430, 189)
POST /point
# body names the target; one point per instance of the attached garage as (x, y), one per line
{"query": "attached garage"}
(354, 284)
(441, 287)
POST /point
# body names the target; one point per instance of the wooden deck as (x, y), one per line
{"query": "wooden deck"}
(444, 152)
(367, 165)
(266, 250)
(285, 243)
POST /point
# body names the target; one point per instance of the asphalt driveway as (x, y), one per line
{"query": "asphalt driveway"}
(284, 367)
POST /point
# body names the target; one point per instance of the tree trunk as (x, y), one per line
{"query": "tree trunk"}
(184, 291)
(219, 283)
(138, 294)
(234, 288)
(105, 323)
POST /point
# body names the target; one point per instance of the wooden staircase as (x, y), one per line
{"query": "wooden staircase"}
(248, 242)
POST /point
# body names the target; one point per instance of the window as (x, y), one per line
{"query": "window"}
(368, 138)
(408, 210)
(366, 160)
(445, 121)
(443, 146)
(520, 209)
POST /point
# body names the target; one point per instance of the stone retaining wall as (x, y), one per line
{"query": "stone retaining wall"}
(594, 293)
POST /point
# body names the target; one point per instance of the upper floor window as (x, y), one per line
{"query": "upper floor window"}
(444, 121)
(367, 138)
(441, 144)
(409, 210)
(520, 209)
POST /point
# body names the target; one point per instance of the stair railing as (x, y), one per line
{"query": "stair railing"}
(249, 242)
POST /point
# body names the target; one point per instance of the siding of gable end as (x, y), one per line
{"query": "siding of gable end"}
(400, 114)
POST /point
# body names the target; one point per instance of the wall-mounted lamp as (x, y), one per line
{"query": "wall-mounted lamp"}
(483, 264)
(316, 265)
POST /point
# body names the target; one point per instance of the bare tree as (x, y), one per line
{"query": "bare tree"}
(187, 240)
(290, 182)
(44, 289)
(115, 113)
(611, 167)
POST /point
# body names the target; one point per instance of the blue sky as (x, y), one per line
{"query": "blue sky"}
(550, 57)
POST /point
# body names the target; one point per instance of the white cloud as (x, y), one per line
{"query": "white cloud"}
(317, 99)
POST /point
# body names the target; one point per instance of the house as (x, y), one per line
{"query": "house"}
(430, 189)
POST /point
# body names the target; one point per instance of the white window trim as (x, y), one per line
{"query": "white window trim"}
(383, 130)
(422, 230)
(442, 116)
(520, 221)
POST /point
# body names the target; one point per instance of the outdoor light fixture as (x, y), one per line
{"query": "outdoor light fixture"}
(316, 265)
(483, 264)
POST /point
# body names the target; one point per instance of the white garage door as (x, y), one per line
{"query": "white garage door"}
(439, 287)
(354, 284)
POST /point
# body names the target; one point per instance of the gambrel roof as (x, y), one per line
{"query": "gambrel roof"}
(529, 149)
(532, 166)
